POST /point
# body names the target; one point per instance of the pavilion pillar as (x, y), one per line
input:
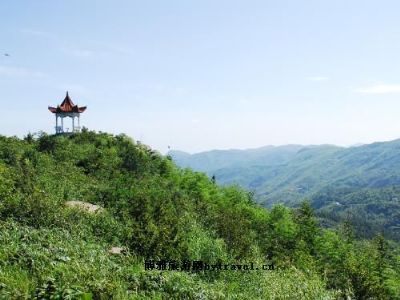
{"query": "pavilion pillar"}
(56, 124)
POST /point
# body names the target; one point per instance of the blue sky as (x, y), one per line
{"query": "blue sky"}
(199, 75)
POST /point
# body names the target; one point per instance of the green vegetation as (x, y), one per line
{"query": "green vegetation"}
(360, 184)
(155, 210)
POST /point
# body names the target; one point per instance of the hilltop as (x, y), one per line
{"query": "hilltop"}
(82, 214)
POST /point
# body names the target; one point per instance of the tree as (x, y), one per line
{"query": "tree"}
(307, 225)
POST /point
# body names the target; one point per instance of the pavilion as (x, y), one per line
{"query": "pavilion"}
(67, 109)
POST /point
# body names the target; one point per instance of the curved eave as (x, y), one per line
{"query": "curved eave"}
(60, 110)
(52, 109)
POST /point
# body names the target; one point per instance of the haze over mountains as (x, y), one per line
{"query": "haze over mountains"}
(360, 182)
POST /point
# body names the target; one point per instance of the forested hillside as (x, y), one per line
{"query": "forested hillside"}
(152, 210)
(360, 184)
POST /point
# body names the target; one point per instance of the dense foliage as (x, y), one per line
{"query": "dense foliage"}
(155, 210)
(358, 183)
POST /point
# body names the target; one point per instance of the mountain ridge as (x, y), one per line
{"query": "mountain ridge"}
(312, 171)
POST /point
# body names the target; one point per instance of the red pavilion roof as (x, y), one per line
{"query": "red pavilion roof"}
(67, 106)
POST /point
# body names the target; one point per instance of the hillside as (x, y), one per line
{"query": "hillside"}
(148, 220)
(335, 179)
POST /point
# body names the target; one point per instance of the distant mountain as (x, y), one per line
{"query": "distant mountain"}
(355, 182)
(252, 168)
(214, 160)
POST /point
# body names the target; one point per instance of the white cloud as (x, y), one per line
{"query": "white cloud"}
(20, 72)
(89, 48)
(79, 52)
(60, 43)
(111, 48)
(317, 78)
(380, 89)
(37, 33)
